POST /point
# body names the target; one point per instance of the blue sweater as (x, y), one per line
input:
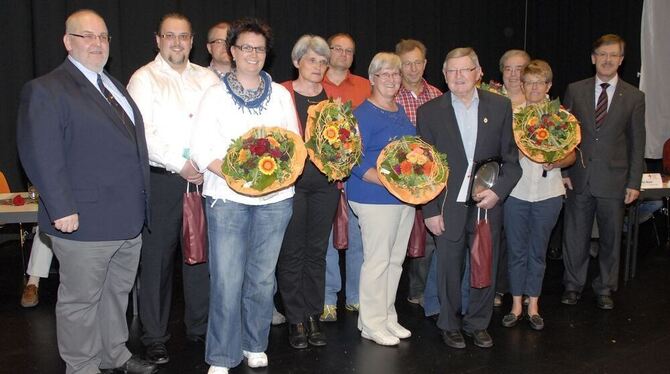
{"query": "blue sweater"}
(378, 128)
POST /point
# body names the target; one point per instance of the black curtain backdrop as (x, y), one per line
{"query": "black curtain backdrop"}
(560, 32)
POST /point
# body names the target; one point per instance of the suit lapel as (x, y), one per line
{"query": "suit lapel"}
(451, 124)
(94, 95)
(615, 105)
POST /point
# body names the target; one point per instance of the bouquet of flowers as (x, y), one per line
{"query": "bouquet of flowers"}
(412, 170)
(332, 138)
(493, 86)
(546, 132)
(264, 160)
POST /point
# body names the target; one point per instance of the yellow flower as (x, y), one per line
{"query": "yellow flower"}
(331, 134)
(556, 118)
(412, 157)
(267, 165)
(421, 159)
(242, 156)
(533, 121)
(273, 142)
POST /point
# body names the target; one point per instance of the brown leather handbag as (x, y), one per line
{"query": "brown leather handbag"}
(194, 228)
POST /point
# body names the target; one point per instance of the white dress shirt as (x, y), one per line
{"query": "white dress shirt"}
(168, 101)
(219, 122)
(610, 90)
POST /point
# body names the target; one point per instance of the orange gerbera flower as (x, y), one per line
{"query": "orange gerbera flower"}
(428, 167)
(331, 134)
(533, 121)
(541, 134)
(273, 142)
(406, 167)
(267, 165)
(242, 156)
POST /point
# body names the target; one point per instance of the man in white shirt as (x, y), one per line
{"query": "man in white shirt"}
(168, 91)
(217, 46)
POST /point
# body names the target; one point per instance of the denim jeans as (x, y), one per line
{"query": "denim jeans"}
(244, 244)
(528, 226)
(354, 260)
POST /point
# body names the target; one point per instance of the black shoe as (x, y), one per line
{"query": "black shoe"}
(316, 335)
(135, 365)
(453, 339)
(511, 319)
(197, 339)
(157, 353)
(536, 322)
(481, 338)
(605, 302)
(570, 297)
(296, 335)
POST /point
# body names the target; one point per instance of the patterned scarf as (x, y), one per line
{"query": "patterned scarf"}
(255, 101)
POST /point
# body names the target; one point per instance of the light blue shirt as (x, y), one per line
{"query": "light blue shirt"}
(610, 90)
(467, 123)
(92, 76)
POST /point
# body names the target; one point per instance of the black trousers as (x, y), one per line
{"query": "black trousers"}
(157, 262)
(301, 269)
(450, 267)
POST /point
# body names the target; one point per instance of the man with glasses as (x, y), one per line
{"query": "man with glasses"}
(81, 141)
(218, 48)
(469, 125)
(168, 91)
(339, 82)
(611, 113)
(414, 92)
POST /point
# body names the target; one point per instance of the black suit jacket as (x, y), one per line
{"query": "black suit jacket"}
(436, 124)
(612, 155)
(75, 150)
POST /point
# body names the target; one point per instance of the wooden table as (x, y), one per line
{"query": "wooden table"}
(12, 214)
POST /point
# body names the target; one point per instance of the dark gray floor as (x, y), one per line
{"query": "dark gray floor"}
(632, 338)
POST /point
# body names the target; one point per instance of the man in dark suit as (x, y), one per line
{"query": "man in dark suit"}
(469, 125)
(81, 142)
(607, 174)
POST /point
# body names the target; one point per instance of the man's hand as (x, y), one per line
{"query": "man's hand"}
(67, 224)
(435, 225)
(486, 199)
(190, 173)
(567, 183)
(631, 195)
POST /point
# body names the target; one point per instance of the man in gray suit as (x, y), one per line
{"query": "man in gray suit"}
(469, 125)
(81, 141)
(608, 172)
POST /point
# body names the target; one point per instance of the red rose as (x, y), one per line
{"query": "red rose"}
(18, 200)
(276, 153)
(259, 147)
(344, 134)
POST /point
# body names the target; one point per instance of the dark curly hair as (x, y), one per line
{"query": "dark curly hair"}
(252, 25)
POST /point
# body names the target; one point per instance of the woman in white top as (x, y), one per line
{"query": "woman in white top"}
(245, 233)
(531, 212)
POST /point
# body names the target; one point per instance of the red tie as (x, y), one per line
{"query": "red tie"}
(601, 106)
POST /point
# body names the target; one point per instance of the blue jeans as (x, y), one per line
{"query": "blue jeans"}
(528, 226)
(354, 260)
(244, 244)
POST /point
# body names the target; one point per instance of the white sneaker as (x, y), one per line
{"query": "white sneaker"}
(381, 337)
(398, 331)
(256, 359)
(217, 370)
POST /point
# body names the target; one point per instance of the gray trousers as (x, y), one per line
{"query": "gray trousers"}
(95, 280)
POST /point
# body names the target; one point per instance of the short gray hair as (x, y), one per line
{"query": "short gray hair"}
(383, 60)
(307, 43)
(512, 53)
(461, 52)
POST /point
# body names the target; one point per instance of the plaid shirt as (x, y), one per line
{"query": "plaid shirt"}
(411, 103)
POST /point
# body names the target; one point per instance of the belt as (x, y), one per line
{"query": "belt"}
(157, 170)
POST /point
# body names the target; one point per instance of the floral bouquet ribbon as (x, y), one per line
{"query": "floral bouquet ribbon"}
(332, 138)
(264, 160)
(412, 170)
(546, 132)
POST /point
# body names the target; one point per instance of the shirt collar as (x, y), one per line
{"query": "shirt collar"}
(164, 66)
(424, 88)
(347, 79)
(612, 82)
(456, 101)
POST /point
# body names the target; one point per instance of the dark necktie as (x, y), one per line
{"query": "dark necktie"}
(601, 106)
(123, 116)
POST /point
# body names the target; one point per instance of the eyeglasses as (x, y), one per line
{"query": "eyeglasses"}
(610, 55)
(388, 76)
(462, 71)
(220, 42)
(534, 83)
(341, 50)
(246, 48)
(416, 64)
(91, 38)
(172, 37)
(513, 69)
(314, 61)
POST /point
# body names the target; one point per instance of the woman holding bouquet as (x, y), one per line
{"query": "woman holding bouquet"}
(245, 232)
(384, 220)
(301, 269)
(532, 208)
